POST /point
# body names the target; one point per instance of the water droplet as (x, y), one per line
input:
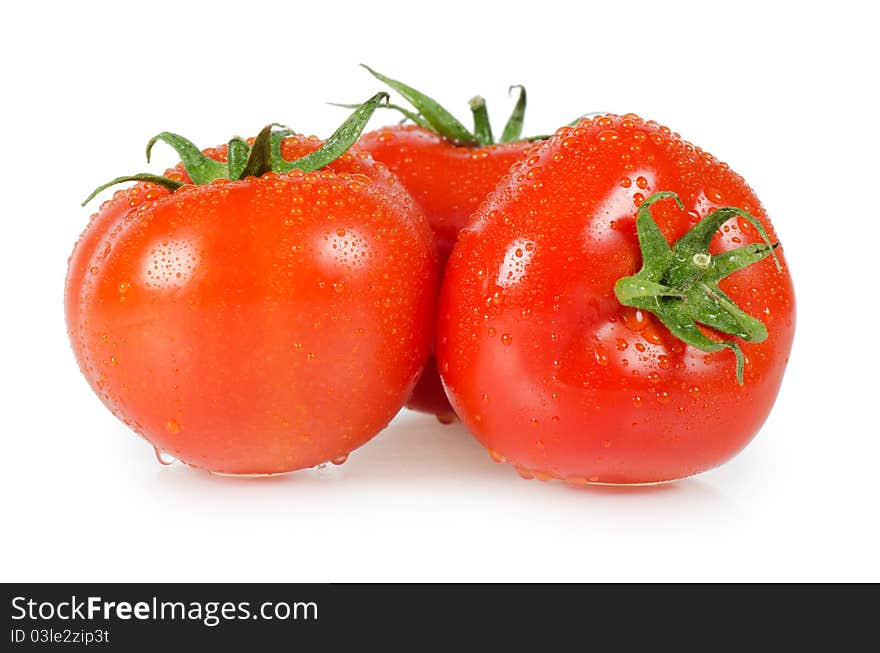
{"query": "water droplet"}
(497, 457)
(339, 460)
(652, 336)
(663, 362)
(634, 319)
(163, 458)
(642, 183)
(524, 473)
(637, 401)
(713, 195)
(506, 339)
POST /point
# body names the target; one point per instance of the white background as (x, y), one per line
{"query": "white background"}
(784, 95)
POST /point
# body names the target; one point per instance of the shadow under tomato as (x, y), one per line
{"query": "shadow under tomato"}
(416, 447)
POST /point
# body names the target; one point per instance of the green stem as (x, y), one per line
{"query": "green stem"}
(482, 128)
(679, 284)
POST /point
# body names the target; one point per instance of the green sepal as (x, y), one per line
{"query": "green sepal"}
(656, 253)
(279, 133)
(200, 168)
(412, 116)
(237, 153)
(259, 160)
(513, 129)
(679, 284)
(170, 184)
(439, 119)
(263, 156)
(339, 142)
(727, 263)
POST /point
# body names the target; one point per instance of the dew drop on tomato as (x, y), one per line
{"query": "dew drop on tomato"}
(164, 458)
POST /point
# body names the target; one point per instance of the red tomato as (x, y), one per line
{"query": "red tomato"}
(449, 169)
(260, 325)
(547, 367)
(449, 182)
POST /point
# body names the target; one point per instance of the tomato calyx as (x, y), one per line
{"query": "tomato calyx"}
(245, 159)
(679, 284)
(431, 115)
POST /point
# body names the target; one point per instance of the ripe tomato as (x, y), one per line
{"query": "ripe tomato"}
(449, 181)
(547, 367)
(449, 170)
(259, 325)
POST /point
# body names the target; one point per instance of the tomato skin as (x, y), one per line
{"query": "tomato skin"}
(449, 182)
(542, 362)
(256, 326)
